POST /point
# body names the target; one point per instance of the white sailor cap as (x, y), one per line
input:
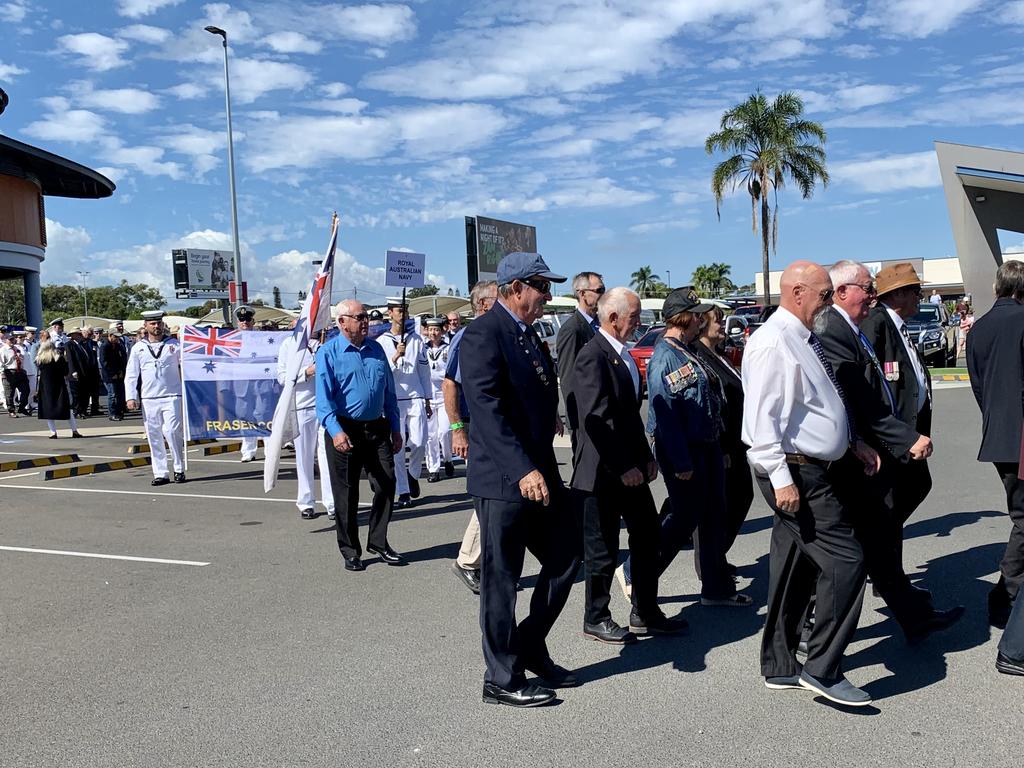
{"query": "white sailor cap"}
(31, 328)
(57, 321)
(153, 314)
(434, 322)
(394, 301)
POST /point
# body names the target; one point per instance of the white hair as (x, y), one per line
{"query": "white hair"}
(582, 281)
(616, 300)
(845, 272)
(345, 306)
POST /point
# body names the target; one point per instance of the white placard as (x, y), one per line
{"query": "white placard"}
(404, 269)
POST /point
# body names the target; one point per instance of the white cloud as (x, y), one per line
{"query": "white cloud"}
(447, 128)
(144, 33)
(570, 148)
(378, 24)
(252, 78)
(1012, 12)
(667, 162)
(134, 9)
(292, 42)
(546, 106)
(688, 129)
(650, 227)
(127, 101)
(98, 52)
(197, 143)
(187, 91)
(65, 247)
(857, 51)
(61, 123)
(10, 71)
(889, 173)
(334, 90)
(13, 12)
(239, 24)
(861, 96)
(143, 158)
(340, 106)
(915, 18)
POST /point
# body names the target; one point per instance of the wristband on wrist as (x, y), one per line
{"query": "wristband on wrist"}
(456, 426)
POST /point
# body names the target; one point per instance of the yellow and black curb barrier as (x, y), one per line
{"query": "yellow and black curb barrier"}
(43, 461)
(951, 377)
(92, 469)
(214, 450)
(144, 447)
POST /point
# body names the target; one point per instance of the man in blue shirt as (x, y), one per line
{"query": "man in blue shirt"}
(356, 404)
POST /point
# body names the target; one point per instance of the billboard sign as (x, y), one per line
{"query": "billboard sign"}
(404, 269)
(491, 240)
(202, 273)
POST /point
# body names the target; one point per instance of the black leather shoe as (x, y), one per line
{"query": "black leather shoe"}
(528, 696)
(179, 477)
(404, 501)
(387, 554)
(469, 577)
(76, 434)
(1009, 666)
(608, 632)
(937, 621)
(553, 675)
(657, 625)
(160, 481)
(354, 564)
(434, 477)
(999, 607)
(307, 513)
(414, 486)
(449, 469)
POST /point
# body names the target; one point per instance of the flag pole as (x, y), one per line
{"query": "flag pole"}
(404, 313)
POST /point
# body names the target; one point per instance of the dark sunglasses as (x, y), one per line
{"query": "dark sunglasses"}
(826, 294)
(868, 288)
(538, 284)
(598, 291)
(362, 317)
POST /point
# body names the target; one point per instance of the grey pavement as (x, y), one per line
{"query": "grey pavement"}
(273, 655)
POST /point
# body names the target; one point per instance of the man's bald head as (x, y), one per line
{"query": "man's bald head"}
(805, 290)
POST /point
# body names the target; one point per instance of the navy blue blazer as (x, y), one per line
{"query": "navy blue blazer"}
(995, 360)
(512, 393)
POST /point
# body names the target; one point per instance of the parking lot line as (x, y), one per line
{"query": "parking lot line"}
(132, 558)
(15, 477)
(151, 494)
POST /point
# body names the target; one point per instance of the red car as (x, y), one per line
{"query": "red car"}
(643, 349)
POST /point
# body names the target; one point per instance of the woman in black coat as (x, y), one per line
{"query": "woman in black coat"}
(52, 388)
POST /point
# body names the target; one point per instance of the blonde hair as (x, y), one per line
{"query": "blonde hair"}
(47, 353)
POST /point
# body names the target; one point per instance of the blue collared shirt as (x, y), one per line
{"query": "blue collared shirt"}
(454, 372)
(353, 383)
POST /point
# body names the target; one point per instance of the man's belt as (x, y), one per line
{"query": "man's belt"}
(799, 458)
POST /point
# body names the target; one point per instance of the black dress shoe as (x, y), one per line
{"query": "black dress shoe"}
(449, 469)
(414, 486)
(354, 564)
(76, 433)
(387, 554)
(179, 477)
(660, 624)
(609, 632)
(553, 675)
(1009, 666)
(404, 501)
(53, 436)
(528, 696)
(307, 513)
(160, 481)
(468, 576)
(936, 621)
(434, 477)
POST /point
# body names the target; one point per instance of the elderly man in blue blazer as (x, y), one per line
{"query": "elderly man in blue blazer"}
(512, 393)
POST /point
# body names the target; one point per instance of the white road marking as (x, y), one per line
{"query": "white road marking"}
(157, 494)
(14, 477)
(103, 557)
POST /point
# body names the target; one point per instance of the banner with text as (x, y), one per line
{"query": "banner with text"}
(230, 380)
(496, 239)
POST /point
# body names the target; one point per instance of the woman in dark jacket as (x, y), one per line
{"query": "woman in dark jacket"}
(52, 388)
(684, 416)
(739, 485)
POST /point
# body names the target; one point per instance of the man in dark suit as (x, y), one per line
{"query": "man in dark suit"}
(113, 361)
(510, 388)
(612, 469)
(879, 524)
(995, 361)
(574, 333)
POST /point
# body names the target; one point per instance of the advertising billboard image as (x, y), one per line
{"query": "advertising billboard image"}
(495, 238)
(199, 272)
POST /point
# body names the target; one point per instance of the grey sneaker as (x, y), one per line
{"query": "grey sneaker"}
(841, 692)
(784, 682)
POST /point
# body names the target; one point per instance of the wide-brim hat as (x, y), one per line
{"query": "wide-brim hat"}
(896, 276)
(684, 299)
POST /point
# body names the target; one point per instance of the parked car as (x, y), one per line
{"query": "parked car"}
(547, 331)
(641, 352)
(936, 334)
(750, 310)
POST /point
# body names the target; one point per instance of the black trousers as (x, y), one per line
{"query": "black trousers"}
(813, 552)
(698, 504)
(1011, 569)
(739, 495)
(16, 382)
(603, 512)
(371, 450)
(507, 530)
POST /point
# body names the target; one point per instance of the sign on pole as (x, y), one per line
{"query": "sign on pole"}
(202, 273)
(404, 269)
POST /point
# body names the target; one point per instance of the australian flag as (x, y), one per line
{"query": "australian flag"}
(211, 341)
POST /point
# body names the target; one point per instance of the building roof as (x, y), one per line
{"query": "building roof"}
(58, 176)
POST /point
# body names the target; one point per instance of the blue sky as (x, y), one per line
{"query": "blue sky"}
(584, 119)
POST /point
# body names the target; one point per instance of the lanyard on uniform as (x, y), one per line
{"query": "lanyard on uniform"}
(149, 349)
(435, 356)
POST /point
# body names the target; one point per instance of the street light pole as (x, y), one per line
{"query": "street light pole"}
(231, 167)
(85, 291)
(669, 273)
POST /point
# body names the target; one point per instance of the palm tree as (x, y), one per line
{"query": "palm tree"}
(767, 144)
(643, 280)
(711, 279)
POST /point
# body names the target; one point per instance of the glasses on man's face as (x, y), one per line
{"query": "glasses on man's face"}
(538, 284)
(826, 295)
(868, 288)
(598, 291)
(362, 317)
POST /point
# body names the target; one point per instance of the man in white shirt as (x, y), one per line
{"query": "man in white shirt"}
(408, 358)
(29, 347)
(157, 361)
(797, 423)
(309, 441)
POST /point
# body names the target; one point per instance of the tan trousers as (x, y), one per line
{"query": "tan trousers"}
(469, 554)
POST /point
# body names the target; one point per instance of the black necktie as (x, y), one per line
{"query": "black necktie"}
(820, 353)
(594, 324)
(878, 369)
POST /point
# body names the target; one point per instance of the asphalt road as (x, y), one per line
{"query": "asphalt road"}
(273, 655)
